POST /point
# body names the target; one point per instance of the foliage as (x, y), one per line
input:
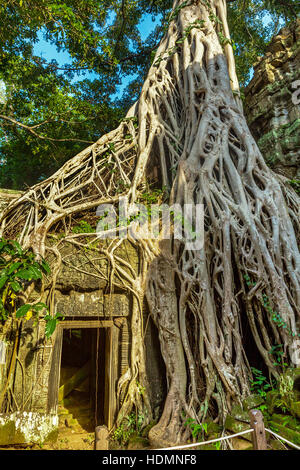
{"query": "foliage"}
(252, 24)
(278, 355)
(296, 185)
(276, 317)
(286, 392)
(259, 384)
(83, 227)
(198, 430)
(132, 424)
(50, 111)
(18, 269)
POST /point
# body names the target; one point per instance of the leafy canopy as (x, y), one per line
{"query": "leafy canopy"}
(50, 111)
(18, 268)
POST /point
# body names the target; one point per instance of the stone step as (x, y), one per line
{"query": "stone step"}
(65, 418)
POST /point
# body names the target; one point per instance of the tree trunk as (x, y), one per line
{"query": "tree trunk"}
(247, 275)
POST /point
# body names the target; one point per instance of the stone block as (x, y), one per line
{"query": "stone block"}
(252, 402)
(235, 426)
(27, 427)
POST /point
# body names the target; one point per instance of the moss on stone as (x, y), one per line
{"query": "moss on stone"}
(232, 424)
(240, 414)
(137, 442)
(295, 408)
(9, 435)
(287, 421)
(253, 401)
(286, 432)
(52, 437)
(271, 399)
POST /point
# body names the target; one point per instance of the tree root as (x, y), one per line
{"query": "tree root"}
(189, 125)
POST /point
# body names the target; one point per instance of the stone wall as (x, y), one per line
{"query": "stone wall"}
(82, 294)
(272, 104)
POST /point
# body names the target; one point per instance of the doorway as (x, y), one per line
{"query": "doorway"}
(84, 372)
(82, 375)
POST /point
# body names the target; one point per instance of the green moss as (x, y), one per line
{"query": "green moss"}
(231, 424)
(52, 437)
(213, 428)
(278, 141)
(295, 407)
(284, 431)
(287, 421)
(10, 435)
(271, 399)
(137, 442)
(240, 414)
(253, 401)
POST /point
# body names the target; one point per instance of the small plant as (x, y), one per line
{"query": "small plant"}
(198, 429)
(132, 424)
(296, 185)
(89, 439)
(152, 196)
(278, 354)
(259, 384)
(18, 269)
(140, 388)
(277, 319)
(262, 408)
(286, 393)
(217, 445)
(83, 227)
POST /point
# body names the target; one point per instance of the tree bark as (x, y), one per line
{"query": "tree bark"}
(246, 277)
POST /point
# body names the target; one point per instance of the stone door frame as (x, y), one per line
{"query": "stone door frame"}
(111, 364)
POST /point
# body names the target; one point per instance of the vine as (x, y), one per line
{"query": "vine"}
(187, 133)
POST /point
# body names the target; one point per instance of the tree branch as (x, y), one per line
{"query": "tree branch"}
(39, 136)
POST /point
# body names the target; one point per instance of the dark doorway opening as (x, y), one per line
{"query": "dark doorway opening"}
(82, 375)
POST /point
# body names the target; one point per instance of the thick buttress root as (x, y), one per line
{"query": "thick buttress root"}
(247, 275)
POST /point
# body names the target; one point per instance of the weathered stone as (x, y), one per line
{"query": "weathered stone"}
(283, 430)
(287, 420)
(272, 113)
(213, 428)
(241, 444)
(137, 443)
(240, 414)
(23, 427)
(232, 424)
(101, 438)
(252, 402)
(78, 274)
(271, 399)
(93, 303)
(295, 407)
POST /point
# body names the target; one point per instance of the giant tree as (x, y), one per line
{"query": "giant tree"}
(187, 134)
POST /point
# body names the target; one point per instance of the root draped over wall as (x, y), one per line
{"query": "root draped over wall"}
(189, 125)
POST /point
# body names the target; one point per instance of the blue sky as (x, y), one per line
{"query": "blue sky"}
(49, 52)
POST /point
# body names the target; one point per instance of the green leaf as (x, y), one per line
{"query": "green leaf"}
(25, 274)
(46, 267)
(3, 243)
(50, 326)
(3, 280)
(39, 306)
(21, 312)
(16, 286)
(17, 247)
(14, 266)
(32, 272)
